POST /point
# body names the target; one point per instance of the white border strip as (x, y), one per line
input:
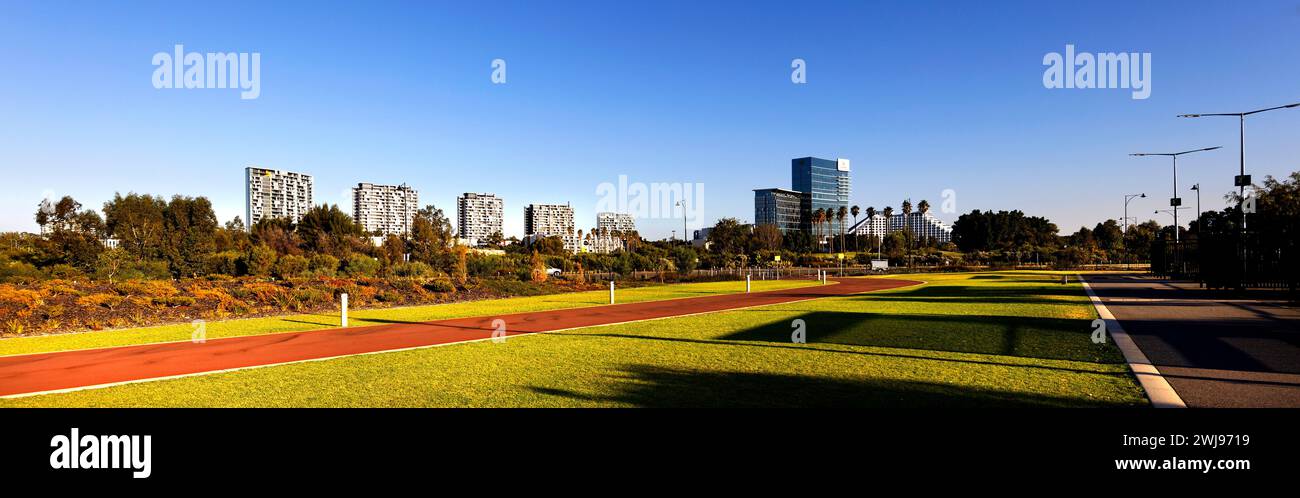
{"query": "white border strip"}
(1161, 394)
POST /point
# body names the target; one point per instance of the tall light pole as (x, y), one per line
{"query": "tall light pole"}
(1175, 201)
(1242, 180)
(682, 203)
(1128, 198)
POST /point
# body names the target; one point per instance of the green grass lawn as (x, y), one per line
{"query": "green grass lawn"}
(296, 323)
(961, 340)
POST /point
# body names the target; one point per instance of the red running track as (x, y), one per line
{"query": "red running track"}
(42, 372)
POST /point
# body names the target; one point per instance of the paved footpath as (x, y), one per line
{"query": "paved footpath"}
(1216, 349)
(44, 372)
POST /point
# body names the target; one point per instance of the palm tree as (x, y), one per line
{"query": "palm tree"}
(854, 211)
(889, 215)
(839, 215)
(871, 215)
(923, 207)
(812, 220)
(819, 217)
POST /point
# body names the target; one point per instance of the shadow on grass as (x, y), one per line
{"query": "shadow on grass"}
(1022, 292)
(1027, 290)
(650, 386)
(1028, 337)
(799, 347)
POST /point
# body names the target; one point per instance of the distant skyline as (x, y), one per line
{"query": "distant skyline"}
(921, 97)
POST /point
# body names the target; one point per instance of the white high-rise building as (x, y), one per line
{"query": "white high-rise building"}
(607, 223)
(548, 219)
(385, 209)
(275, 194)
(923, 225)
(478, 216)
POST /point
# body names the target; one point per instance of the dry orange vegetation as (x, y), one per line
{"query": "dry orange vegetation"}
(63, 306)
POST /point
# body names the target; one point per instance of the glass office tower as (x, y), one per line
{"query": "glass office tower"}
(826, 184)
(780, 207)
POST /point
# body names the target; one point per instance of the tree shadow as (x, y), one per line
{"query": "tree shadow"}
(651, 386)
(900, 354)
(1027, 337)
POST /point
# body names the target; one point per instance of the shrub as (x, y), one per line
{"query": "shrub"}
(148, 288)
(224, 302)
(109, 301)
(224, 263)
(59, 288)
(17, 272)
(286, 302)
(460, 273)
(261, 291)
(146, 270)
(414, 269)
(291, 266)
(313, 297)
(63, 271)
(52, 311)
(323, 265)
(175, 301)
(13, 327)
(360, 265)
(388, 297)
(538, 268)
(259, 260)
(486, 265)
(19, 302)
(441, 284)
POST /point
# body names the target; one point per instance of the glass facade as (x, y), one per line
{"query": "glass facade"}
(825, 182)
(780, 207)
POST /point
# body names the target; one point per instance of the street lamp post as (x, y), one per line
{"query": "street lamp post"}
(1197, 188)
(1128, 198)
(1175, 201)
(1242, 179)
(682, 203)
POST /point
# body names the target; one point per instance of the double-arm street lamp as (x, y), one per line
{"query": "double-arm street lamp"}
(1128, 198)
(1175, 201)
(1242, 180)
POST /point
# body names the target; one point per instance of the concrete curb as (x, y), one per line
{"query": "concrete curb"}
(1161, 394)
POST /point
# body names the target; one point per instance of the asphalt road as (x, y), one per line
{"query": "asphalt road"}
(44, 372)
(1216, 349)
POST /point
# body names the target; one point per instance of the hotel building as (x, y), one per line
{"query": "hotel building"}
(923, 226)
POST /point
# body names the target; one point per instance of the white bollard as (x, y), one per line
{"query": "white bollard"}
(611, 292)
(343, 305)
(747, 284)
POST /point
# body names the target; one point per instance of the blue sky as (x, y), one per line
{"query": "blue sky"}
(921, 96)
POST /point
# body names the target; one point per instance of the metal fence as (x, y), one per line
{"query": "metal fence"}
(1228, 262)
